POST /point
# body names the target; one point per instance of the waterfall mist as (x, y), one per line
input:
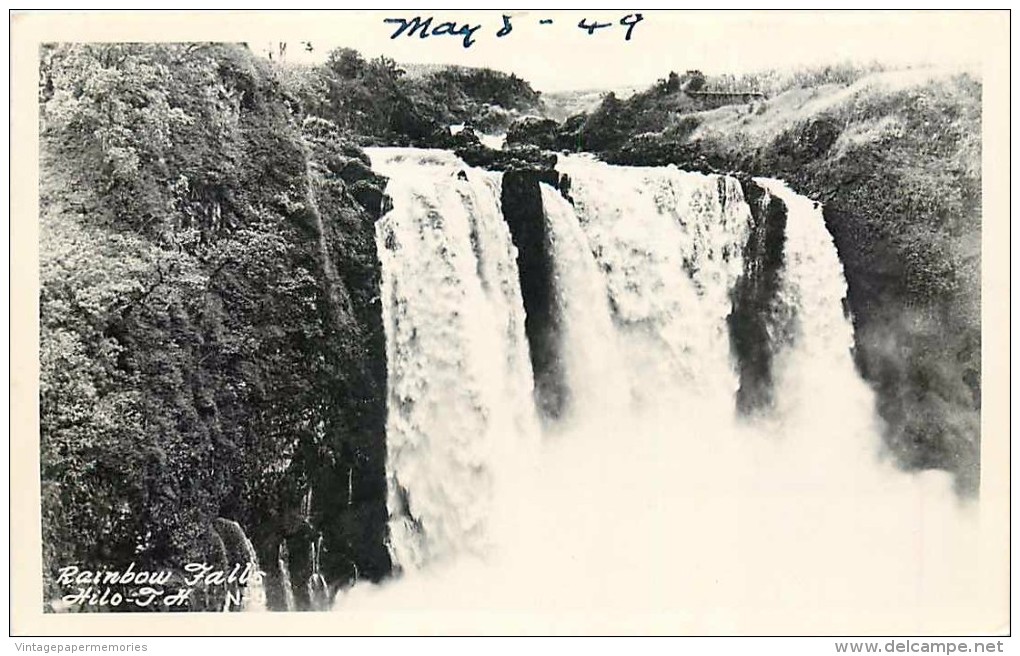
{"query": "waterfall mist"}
(652, 497)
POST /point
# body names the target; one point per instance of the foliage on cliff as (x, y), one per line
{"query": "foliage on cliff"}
(382, 103)
(489, 100)
(209, 333)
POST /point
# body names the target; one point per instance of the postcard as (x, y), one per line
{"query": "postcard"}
(510, 322)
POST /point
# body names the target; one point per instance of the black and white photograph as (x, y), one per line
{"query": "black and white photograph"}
(512, 322)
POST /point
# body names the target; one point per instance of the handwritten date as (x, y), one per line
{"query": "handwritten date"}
(423, 28)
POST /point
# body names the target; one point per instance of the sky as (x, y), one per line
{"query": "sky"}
(561, 56)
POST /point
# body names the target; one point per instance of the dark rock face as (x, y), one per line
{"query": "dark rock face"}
(349, 483)
(922, 358)
(525, 157)
(753, 298)
(340, 160)
(522, 210)
(540, 132)
(570, 135)
(355, 170)
(334, 492)
(655, 150)
(525, 167)
(443, 138)
(369, 196)
(564, 186)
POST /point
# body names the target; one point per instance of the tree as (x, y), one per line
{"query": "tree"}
(673, 83)
(346, 63)
(693, 81)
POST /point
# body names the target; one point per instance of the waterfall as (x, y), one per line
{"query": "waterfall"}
(318, 588)
(241, 551)
(459, 376)
(254, 599)
(813, 339)
(595, 368)
(282, 557)
(812, 294)
(669, 246)
(651, 492)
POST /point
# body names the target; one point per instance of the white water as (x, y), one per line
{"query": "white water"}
(460, 383)
(591, 346)
(253, 596)
(815, 373)
(652, 505)
(282, 557)
(494, 141)
(669, 246)
(317, 587)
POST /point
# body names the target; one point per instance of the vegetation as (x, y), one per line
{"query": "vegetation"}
(774, 82)
(489, 100)
(665, 105)
(210, 337)
(381, 103)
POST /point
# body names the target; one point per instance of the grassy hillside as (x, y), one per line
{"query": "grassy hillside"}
(896, 159)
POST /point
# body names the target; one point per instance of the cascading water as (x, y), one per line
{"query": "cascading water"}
(649, 495)
(669, 246)
(589, 342)
(317, 587)
(283, 571)
(254, 599)
(239, 551)
(460, 379)
(812, 342)
(814, 348)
